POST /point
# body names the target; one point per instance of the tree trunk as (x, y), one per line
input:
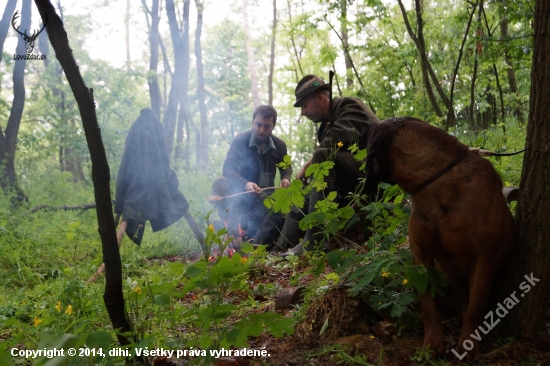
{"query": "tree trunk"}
(532, 252)
(183, 112)
(497, 79)
(489, 115)
(200, 87)
(345, 43)
(418, 39)
(5, 23)
(176, 86)
(250, 54)
(69, 158)
(44, 47)
(272, 56)
(152, 78)
(478, 51)
(8, 140)
(113, 295)
(500, 94)
(508, 59)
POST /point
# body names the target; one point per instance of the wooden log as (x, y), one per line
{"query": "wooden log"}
(288, 297)
(82, 207)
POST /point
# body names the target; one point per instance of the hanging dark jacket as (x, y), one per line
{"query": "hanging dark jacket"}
(146, 187)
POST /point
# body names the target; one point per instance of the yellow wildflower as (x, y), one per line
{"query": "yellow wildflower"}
(138, 290)
(211, 227)
(69, 310)
(37, 321)
(244, 260)
(384, 273)
(24, 303)
(405, 281)
(340, 144)
(58, 306)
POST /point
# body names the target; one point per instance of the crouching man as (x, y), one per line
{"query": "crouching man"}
(343, 122)
(251, 166)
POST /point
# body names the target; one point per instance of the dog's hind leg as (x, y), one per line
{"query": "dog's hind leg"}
(473, 326)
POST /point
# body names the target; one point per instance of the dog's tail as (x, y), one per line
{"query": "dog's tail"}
(482, 152)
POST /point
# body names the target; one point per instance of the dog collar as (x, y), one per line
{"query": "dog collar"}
(440, 173)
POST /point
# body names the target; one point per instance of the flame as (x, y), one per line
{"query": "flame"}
(242, 233)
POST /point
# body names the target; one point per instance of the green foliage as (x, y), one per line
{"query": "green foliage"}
(382, 269)
(60, 310)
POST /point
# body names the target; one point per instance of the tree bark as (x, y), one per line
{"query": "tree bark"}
(272, 56)
(201, 94)
(532, 252)
(152, 77)
(183, 112)
(250, 54)
(113, 295)
(8, 179)
(418, 39)
(5, 23)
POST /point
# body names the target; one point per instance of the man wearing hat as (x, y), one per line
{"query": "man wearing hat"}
(342, 122)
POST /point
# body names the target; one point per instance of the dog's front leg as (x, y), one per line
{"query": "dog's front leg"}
(422, 239)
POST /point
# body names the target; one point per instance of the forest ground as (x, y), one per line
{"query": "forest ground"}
(353, 336)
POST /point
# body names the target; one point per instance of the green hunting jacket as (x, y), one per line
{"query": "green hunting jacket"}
(352, 121)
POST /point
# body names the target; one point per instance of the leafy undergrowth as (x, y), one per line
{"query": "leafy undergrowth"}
(173, 308)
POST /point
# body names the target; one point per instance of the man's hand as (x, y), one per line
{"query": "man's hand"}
(302, 173)
(285, 183)
(252, 187)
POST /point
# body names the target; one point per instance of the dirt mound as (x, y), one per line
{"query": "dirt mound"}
(332, 316)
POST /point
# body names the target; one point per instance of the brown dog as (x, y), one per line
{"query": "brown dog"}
(459, 223)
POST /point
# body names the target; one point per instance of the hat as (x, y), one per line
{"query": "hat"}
(308, 85)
